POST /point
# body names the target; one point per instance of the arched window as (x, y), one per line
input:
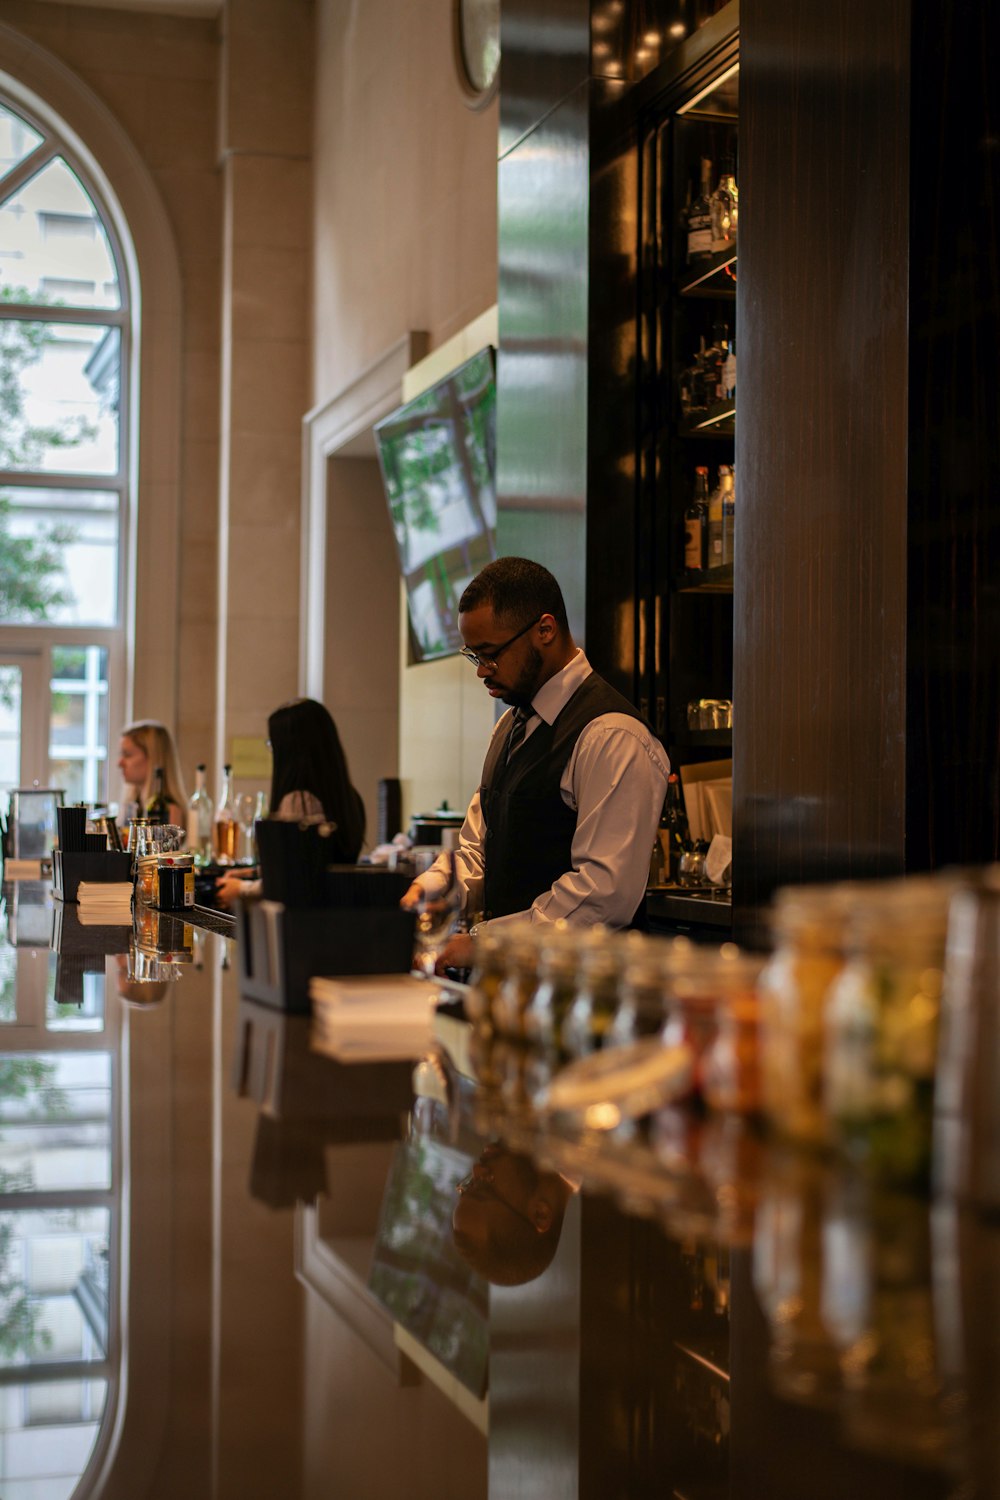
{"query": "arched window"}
(65, 325)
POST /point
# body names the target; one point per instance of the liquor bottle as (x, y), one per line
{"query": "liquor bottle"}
(201, 810)
(699, 219)
(715, 502)
(729, 519)
(696, 524)
(657, 866)
(724, 208)
(674, 834)
(226, 828)
(729, 373)
(157, 809)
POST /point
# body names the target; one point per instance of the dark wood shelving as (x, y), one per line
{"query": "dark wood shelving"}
(718, 421)
(684, 904)
(708, 279)
(708, 581)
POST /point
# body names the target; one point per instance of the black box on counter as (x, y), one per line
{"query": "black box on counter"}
(69, 868)
(280, 948)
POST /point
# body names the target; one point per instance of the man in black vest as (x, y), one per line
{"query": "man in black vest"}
(573, 785)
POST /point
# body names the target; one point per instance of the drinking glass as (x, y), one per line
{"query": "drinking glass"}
(436, 915)
(246, 809)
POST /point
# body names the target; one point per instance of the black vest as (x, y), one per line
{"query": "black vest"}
(529, 828)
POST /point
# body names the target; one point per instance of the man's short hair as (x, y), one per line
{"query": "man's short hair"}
(517, 590)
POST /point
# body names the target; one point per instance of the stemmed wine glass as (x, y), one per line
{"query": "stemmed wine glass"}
(437, 913)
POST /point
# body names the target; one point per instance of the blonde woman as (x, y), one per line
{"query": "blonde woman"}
(145, 745)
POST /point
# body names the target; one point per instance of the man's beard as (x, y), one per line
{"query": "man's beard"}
(524, 688)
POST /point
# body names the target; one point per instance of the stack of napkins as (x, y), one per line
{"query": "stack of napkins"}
(372, 1017)
(104, 904)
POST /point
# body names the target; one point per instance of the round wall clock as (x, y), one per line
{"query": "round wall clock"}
(477, 48)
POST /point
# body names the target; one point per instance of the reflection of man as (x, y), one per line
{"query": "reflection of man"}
(574, 782)
(508, 1218)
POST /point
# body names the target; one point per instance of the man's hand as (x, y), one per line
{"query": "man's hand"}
(228, 887)
(457, 953)
(408, 900)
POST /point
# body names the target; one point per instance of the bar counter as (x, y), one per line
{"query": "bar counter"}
(231, 1270)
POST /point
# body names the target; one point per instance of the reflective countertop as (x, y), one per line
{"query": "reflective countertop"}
(232, 1266)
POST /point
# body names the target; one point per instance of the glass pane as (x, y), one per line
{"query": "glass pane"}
(17, 139)
(78, 746)
(55, 1125)
(56, 1284)
(61, 383)
(48, 1434)
(8, 970)
(61, 551)
(10, 727)
(54, 244)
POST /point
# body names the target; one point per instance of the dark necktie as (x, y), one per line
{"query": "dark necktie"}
(520, 724)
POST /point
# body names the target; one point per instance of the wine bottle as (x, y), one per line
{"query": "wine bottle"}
(201, 810)
(674, 834)
(696, 524)
(226, 827)
(157, 809)
(724, 208)
(729, 519)
(715, 520)
(699, 220)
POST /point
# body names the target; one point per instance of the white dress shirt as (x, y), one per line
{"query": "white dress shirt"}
(616, 781)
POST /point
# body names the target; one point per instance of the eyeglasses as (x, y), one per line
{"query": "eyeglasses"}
(479, 660)
(480, 1185)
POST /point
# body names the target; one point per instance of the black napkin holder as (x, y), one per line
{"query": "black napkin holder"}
(104, 868)
(281, 948)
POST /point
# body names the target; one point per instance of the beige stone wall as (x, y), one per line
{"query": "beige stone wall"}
(405, 206)
(158, 76)
(404, 240)
(265, 143)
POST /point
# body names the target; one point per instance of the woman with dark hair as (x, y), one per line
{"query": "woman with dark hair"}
(310, 783)
(309, 776)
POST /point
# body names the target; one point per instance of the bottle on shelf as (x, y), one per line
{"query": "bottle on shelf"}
(724, 209)
(729, 373)
(226, 827)
(696, 524)
(674, 833)
(157, 809)
(201, 811)
(699, 219)
(715, 518)
(729, 520)
(657, 866)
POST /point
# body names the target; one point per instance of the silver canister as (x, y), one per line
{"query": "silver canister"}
(967, 1093)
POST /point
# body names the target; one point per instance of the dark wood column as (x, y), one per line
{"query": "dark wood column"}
(820, 592)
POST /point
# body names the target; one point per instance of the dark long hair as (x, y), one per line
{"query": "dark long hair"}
(308, 757)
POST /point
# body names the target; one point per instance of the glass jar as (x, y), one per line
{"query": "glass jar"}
(558, 949)
(731, 1066)
(488, 969)
(882, 1027)
(696, 981)
(519, 981)
(808, 925)
(589, 1018)
(642, 988)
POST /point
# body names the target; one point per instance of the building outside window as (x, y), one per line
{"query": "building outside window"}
(64, 466)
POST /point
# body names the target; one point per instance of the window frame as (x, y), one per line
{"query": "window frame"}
(38, 635)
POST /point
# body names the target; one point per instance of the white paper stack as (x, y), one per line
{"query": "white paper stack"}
(104, 904)
(372, 1017)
